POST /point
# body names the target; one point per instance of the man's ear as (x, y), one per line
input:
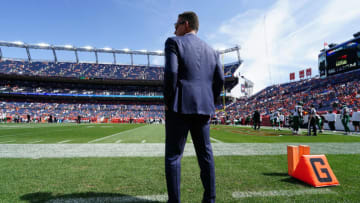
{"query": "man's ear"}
(187, 26)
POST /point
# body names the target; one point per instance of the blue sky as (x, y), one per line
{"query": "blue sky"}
(277, 36)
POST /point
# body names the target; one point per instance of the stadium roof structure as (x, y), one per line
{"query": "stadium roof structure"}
(45, 46)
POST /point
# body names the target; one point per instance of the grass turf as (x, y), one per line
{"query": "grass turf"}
(139, 133)
(41, 180)
(232, 134)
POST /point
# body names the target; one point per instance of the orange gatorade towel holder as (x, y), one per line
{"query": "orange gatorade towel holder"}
(312, 169)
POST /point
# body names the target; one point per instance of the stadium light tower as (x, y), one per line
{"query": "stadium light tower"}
(54, 48)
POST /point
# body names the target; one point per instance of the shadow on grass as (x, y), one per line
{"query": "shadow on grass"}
(295, 181)
(289, 179)
(91, 197)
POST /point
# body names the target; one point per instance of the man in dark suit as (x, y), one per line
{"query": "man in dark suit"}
(193, 80)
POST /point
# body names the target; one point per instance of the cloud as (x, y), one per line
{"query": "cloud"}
(286, 37)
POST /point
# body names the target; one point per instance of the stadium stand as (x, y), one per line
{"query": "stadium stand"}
(53, 89)
(323, 93)
(96, 92)
(31, 80)
(90, 112)
(91, 70)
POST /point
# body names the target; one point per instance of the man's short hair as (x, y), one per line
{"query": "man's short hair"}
(192, 18)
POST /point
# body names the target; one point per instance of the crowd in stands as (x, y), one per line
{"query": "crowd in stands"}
(324, 93)
(62, 111)
(81, 70)
(17, 87)
(68, 110)
(91, 70)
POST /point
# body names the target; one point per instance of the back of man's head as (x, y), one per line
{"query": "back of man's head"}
(192, 18)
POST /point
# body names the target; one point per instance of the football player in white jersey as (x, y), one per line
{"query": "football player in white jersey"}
(298, 113)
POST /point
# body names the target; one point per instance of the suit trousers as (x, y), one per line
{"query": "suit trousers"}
(332, 125)
(177, 127)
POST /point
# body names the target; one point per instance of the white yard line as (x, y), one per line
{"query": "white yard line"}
(126, 131)
(314, 191)
(7, 141)
(217, 141)
(65, 141)
(118, 141)
(158, 149)
(35, 142)
(120, 199)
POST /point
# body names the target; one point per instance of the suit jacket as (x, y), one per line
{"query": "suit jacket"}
(193, 76)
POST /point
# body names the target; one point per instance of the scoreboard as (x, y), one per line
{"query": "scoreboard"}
(340, 58)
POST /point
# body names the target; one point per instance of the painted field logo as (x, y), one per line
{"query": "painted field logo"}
(312, 169)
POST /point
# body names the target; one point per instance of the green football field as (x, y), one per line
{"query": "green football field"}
(125, 163)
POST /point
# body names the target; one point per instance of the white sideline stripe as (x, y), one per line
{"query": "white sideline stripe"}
(147, 198)
(65, 141)
(216, 140)
(13, 150)
(7, 141)
(35, 142)
(118, 141)
(272, 193)
(143, 141)
(126, 131)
